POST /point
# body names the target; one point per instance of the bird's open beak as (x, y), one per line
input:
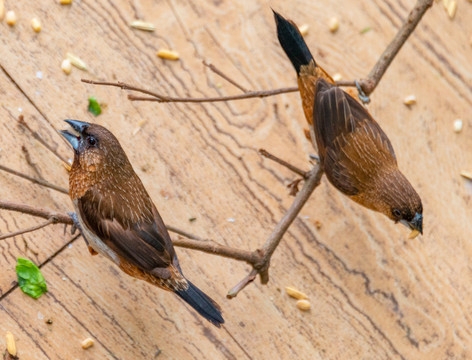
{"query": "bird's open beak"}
(416, 226)
(79, 127)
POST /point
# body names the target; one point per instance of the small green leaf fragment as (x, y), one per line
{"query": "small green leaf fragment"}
(94, 106)
(365, 30)
(30, 279)
(192, 219)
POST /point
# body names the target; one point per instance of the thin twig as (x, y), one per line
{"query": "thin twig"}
(395, 45)
(50, 221)
(242, 284)
(207, 246)
(34, 180)
(289, 166)
(34, 211)
(226, 77)
(211, 247)
(33, 133)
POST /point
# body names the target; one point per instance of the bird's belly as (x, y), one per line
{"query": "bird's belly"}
(95, 242)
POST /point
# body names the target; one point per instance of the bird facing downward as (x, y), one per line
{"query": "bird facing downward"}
(355, 153)
(118, 219)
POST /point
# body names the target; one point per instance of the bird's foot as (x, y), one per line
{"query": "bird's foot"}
(76, 225)
(314, 157)
(362, 96)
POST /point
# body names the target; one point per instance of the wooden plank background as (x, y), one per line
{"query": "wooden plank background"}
(374, 294)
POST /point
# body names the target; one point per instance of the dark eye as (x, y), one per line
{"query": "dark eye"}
(397, 213)
(91, 141)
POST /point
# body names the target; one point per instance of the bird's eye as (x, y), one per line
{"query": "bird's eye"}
(397, 213)
(91, 141)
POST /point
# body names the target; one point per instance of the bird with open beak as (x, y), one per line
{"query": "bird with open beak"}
(118, 219)
(355, 154)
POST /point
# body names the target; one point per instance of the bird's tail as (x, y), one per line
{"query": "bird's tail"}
(292, 42)
(202, 303)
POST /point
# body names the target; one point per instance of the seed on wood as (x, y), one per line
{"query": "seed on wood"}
(414, 233)
(76, 61)
(466, 174)
(11, 346)
(2, 9)
(87, 343)
(333, 24)
(451, 8)
(10, 17)
(410, 100)
(304, 29)
(65, 2)
(168, 54)
(337, 77)
(66, 66)
(36, 24)
(303, 305)
(458, 125)
(292, 292)
(141, 25)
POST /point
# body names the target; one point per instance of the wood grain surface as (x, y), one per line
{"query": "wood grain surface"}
(374, 294)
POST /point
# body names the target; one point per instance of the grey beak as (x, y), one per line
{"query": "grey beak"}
(417, 223)
(71, 138)
(77, 125)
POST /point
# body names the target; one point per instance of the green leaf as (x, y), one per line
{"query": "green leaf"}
(365, 30)
(30, 279)
(94, 106)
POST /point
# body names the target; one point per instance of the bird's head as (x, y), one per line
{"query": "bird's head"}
(97, 150)
(401, 203)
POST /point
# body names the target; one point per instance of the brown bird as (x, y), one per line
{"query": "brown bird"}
(118, 219)
(355, 153)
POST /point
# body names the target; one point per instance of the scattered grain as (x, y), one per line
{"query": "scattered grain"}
(292, 292)
(466, 174)
(168, 54)
(2, 9)
(337, 77)
(304, 29)
(36, 24)
(76, 61)
(141, 25)
(303, 305)
(65, 2)
(11, 346)
(410, 100)
(87, 343)
(451, 8)
(10, 17)
(333, 24)
(458, 125)
(66, 66)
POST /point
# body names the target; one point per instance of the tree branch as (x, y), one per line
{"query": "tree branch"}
(21, 120)
(394, 47)
(34, 180)
(268, 155)
(50, 221)
(227, 78)
(193, 242)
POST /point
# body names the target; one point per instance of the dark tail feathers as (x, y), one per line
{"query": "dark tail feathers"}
(202, 303)
(292, 42)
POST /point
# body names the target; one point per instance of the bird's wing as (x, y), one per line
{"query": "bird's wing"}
(352, 145)
(142, 239)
